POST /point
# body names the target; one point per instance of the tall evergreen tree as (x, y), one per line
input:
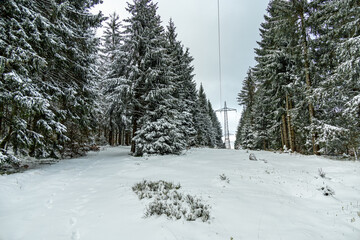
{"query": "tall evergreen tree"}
(204, 128)
(216, 127)
(184, 86)
(115, 88)
(155, 116)
(245, 136)
(337, 57)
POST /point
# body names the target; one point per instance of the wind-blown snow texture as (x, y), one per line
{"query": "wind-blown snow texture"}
(92, 198)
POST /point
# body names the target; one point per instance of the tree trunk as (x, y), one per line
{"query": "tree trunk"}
(284, 132)
(110, 137)
(2, 112)
(3, 143)
(5, 140)
(355, 154)
(133, 134)
(308, 79)
(111, 132)
(282, 137)
(122, 138)
(291, 133)
(32, 127)
(128, 138)
(264, 145)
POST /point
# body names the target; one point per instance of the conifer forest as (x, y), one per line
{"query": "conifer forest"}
(65, 91)
(109, 127)
(303, 94)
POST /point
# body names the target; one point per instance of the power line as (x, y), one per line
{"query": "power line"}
(219, 42)
(225, 109)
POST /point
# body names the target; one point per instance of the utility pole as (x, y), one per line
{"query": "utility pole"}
(225, 109)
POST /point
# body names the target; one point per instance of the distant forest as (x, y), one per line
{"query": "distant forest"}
(303, 94)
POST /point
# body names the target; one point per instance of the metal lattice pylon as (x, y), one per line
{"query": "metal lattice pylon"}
(225, 109)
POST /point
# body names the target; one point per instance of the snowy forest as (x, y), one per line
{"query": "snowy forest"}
(65, 91)
(303, 94)
(106, 131)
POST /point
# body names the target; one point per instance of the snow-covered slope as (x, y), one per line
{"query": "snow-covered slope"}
(91, 197)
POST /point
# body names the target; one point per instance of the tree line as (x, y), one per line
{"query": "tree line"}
(62, 89)
(303, 94)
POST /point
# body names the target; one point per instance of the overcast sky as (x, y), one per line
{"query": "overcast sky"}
(196, 22)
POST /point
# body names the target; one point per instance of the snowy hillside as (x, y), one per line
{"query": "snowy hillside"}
(92, 197)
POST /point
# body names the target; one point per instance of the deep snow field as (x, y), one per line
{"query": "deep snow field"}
(91, 198)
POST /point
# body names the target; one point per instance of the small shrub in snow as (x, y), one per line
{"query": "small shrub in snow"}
(168, 201)
(327, 191)
(264, 160)
(147, 189)
(252, 157)
(8, 162)
(223, 177)
(321, 173)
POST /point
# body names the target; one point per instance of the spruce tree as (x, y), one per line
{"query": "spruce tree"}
(205, 134)
(337, 57)
(47, 53)
(216, 127)
(184, 86)
(155, 116)
(245, 136)
(115, 88)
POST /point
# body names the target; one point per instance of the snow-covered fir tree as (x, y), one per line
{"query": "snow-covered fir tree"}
(245, 135)
(181, 71)
(47, 52)
(203, 123)
(114, 86)
(216, 127)
(155, 115)
(337, 55)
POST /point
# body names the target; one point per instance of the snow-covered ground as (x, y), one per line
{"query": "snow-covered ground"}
(92, 198)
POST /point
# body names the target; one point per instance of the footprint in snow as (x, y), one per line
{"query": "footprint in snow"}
(75, 235)
(49, 203)
(72, 221)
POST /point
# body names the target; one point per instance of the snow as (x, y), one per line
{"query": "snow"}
(92, 198)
